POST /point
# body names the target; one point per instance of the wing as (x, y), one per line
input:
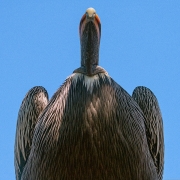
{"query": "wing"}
(153, 123)
(32, 106)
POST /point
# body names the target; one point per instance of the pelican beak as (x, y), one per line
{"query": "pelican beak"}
(90, 16)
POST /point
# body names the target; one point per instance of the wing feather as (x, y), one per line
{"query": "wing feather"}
(154, 125)
(32, 105)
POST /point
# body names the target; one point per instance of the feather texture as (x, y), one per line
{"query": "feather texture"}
(90, 134)
(154, 125)
(32, 106)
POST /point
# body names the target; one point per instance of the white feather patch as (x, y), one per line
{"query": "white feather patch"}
(89, 81)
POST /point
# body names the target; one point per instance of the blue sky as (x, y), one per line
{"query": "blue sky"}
(140, 45)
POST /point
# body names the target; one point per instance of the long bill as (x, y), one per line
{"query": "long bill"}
(90, 34)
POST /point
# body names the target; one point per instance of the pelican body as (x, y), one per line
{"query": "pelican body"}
(92, 128)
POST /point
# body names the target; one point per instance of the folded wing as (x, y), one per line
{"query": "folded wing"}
(153, 123)
(32, 105)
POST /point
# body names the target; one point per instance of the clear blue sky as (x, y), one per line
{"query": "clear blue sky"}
(140, 45)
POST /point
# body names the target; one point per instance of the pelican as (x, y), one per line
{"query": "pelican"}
(91, 128)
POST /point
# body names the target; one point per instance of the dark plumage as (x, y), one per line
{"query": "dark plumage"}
(154, 125)
(92, 128)
(32, 106)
